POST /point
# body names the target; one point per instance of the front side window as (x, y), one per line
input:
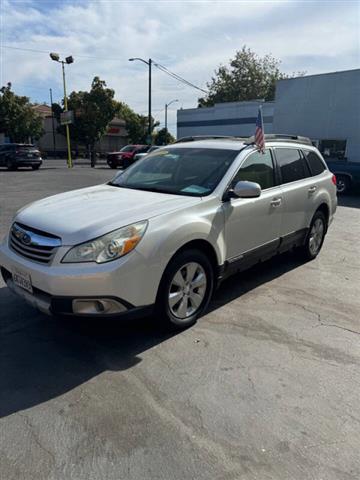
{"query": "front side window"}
(258, 168)
(180, 171)
(316, 164)
(292, 165)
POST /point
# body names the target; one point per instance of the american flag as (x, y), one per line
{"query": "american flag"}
(259, 132)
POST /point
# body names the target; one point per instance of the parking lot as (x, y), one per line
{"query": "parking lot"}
(265, 386)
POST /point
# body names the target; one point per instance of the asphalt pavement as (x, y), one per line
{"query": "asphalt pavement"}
(265, 386)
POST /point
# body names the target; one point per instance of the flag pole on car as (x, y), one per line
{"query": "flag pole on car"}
(259, 132)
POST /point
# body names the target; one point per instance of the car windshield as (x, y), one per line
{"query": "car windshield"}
(180, 171)
(128, 148)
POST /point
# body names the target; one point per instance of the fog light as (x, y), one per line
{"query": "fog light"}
(97, 306)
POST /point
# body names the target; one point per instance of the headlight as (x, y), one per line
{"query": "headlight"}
(108, 247)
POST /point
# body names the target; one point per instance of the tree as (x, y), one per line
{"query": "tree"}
(136, 125)
(163, 137)
(93, 111)
(248, 77)
(18, 120)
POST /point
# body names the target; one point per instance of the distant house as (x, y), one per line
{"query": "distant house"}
(114, 139)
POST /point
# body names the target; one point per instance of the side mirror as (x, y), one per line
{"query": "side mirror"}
(245, 189)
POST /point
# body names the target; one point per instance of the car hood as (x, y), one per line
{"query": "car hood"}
(81, 215)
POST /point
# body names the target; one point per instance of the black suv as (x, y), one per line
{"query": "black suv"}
(14, 155)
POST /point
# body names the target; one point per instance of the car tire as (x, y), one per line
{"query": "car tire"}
(343, 184)
(112, 165)
(35, 167)
(315, 236)
(185, 290)
(10, 165)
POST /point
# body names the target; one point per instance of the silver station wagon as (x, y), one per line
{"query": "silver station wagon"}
(163, 233)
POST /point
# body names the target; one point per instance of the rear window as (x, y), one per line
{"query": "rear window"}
(128, 148)
(26, 148)
(316, 164)
(292, 165)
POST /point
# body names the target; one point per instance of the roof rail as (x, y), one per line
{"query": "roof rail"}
(279, 137)
(194, 138)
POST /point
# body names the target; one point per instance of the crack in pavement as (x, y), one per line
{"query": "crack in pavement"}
(37, 440)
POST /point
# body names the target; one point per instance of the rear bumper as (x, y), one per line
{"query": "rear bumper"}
(27, 163)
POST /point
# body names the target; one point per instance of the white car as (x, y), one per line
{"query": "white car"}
(139, 156)
(163, 233)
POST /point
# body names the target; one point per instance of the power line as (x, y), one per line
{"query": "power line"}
(35, 50)
(178, 77)
(157, 65)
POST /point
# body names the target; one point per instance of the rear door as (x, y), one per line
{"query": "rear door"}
(252, 225)
(298, 191)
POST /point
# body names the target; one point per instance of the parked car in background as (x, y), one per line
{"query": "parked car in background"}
(138, 156)
(125, 157)
(164, 232)
(347, 175)
(15, 155)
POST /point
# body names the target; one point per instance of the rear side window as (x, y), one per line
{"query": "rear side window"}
(316, 164)
(258, 167)
(292, 165)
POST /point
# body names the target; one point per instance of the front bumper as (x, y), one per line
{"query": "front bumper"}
(54, 305)
(128, 281)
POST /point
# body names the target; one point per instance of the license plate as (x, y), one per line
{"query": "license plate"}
(30, 155)
(22, 280)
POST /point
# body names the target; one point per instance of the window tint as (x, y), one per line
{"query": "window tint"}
(292, 165)
(258, 167)
(316, 164)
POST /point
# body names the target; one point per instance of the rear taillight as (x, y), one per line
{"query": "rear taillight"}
(333, 179)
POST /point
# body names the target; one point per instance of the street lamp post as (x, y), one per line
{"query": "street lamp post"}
(147, 62)
(68, 60)
(53, 123)
(166, 109)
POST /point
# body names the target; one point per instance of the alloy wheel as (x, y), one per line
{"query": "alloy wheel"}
(316, 236)
(187, 290)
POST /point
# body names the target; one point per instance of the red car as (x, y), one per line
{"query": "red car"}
(125, 156)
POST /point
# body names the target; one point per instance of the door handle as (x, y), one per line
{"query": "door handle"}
(275, 202)
(312, 189)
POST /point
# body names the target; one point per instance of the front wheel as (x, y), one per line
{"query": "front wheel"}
(185, 289)
(315, 237)
(35, 167)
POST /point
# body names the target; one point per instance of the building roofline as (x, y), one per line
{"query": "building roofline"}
(320, 74)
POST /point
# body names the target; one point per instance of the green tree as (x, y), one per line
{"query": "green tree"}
(163, 137)
(136, 125)
(18, 119)
(93, 111)
(247, 77)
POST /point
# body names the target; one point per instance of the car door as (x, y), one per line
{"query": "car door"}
(298, 190)
(252, 225)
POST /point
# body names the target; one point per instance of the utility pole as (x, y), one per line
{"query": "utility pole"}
(149, 63)
(150, 119)
(53, 123)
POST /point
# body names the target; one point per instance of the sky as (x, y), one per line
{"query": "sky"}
(191, 38)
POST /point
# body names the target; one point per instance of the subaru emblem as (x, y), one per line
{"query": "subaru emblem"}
(26, 239)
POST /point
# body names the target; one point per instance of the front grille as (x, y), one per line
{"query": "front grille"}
(33, 244)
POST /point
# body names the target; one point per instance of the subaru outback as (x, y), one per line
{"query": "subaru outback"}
(162, 234)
